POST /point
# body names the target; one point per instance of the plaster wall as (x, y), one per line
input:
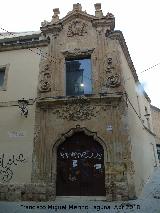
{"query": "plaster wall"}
(22, 75)
(16, 131)
(141, 139)
(16, 137)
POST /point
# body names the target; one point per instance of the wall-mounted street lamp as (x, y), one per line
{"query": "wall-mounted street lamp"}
(23, 106)
(147, 115)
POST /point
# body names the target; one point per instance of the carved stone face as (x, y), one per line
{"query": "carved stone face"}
(45, 85)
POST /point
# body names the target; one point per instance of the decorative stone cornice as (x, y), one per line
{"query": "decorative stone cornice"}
(98, 100)
(22, 45)
(49, 27)
(99, 20)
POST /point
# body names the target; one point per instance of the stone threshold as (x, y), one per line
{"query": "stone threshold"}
(80, 198)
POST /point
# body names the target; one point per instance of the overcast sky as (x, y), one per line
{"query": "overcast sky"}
(138, 20)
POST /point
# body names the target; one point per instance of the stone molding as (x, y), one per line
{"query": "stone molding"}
(77, 52)
(19, 46)
(78, 128)
(15, 103)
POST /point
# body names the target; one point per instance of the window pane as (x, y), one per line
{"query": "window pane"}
(78, 77)
(2, 73)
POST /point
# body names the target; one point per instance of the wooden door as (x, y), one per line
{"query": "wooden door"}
(80, 167)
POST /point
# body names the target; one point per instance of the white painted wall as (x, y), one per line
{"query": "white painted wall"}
(22, 75)
(142, 142)
(16, 131)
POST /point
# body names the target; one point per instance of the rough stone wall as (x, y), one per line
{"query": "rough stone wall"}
(155, 113)
(29, 192)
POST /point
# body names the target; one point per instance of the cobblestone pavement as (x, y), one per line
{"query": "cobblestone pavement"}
(149, 202)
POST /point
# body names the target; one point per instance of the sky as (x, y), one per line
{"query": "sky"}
(138, 20)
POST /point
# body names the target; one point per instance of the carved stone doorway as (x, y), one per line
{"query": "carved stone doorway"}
(80, 167)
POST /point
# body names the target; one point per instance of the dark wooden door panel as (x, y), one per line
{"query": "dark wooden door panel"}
(80, 167)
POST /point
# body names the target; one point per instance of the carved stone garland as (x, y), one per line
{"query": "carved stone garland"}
(77, 28)
(76, 110)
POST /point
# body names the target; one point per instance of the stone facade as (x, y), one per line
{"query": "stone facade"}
(77, 35)
(108, 114)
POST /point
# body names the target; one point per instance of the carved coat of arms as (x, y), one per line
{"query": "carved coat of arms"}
(77, 27)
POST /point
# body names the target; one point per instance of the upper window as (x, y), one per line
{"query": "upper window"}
(3, 76)
(78, 77)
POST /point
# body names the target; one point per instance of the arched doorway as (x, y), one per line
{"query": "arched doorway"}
(80, 167)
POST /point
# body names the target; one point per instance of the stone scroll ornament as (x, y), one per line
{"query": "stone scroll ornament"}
(77, 28)
(6, 165)
(76, 110)
(113, 80)
(45, 80)
(108, 65)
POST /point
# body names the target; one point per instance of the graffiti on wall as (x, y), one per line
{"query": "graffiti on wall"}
(77, 155)
(7, 164)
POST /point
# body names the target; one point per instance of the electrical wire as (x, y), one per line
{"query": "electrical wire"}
(86, 76)
(29, 48)
(149, 68)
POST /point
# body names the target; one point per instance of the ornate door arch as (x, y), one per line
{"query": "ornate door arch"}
(80, 167)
